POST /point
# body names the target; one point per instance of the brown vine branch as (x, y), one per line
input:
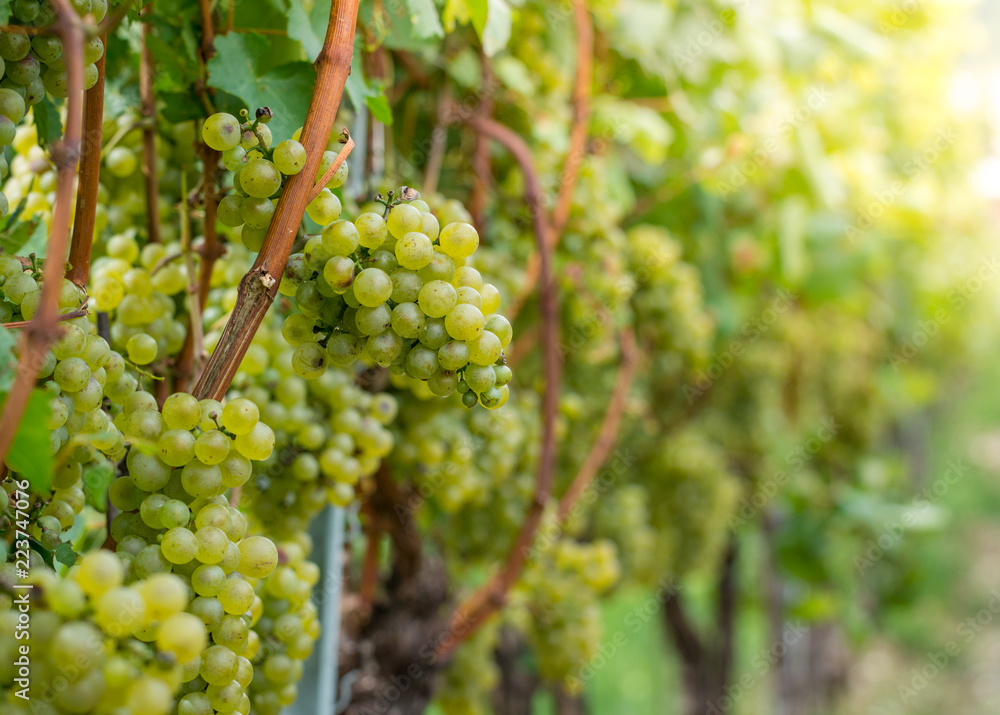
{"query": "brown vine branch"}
(608, 434)
(147, 73)
(90, 174)
(65, 316)
(259, 285)
(488, 599)
(337, 163)
(43, 329)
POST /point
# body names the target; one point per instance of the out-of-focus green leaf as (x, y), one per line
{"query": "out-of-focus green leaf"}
(7, 362)
(25, 238)
(424, 17)
(47, 121)
(309, 28)
(4, 11)
(496, 33)
(31, 453)
(65, 554)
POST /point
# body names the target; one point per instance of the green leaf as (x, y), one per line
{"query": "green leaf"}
(65, 555)
(360, 92)
(4, 12)
(96, 479)
(496, 33)
(286, 89)
(309, 28)
(25, 238)
(31, 453)
(424, 17)
(7, 362)
(47, 121)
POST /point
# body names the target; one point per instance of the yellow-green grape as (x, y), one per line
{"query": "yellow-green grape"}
(290, 157)
(258, 556)
(182, 634)
(142, 349)
(325, 208)
(221, 131)
(459, 240)
(403, 219)
(372, 230)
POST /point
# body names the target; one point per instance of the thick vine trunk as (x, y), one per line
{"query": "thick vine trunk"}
(518, 683)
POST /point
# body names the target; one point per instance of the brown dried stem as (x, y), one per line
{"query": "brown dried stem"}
(337, 163)
(90, 174)
(43, 328)
(65, 316)
(487, 600)
(259, 285)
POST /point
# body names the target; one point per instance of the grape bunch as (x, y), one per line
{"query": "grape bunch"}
(32, 66)
(397, 292)
(259, 172)
(330, 434)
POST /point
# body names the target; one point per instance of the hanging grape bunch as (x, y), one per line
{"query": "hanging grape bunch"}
(391, 289)
(32, 66)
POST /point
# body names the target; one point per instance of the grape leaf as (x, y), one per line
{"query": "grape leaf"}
(4, 12)
(424, 17)
(31, 452)
(25, 238)
(286, 89)
(496, 33)
(309, 28)
(7, 361)
(47, 121)
(65, 554)
(96, 480)
(360, 92)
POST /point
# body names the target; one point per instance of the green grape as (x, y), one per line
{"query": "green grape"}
(230, 210)
(259, 178)
(221, 131)
(443, 383)
(201, 480)
(421, 362)
(239, 416)
(414, 251)
(433, 334)
(503, 374)
(290, 157)
(459, 240)
(207, 580)
(384, 348)
(174, 513)
(236, 595)
(325, 208)
(98, 572)
(372, 230)
(258, 556)
(257, 213)
(407, 320)
(484, 350)
(402, 220)
(344, 349)
(465, 322)
(235, 470)
(182, 634)
(339, 273)
(469, 296)
(234, 158)
(257, 444)
(179, 545)
(480, 377)
(339, 176)
(121, 162)
(453, 355)
(11, 103)
(181, 411)
(437, 299)
(341, 238)
(218, 665)
(373, 321)
(372, 287)
(176, 447)
(310, 360)
(142, 349)
(491, 298)
(211, 414)
(439, 268)
(211, 544)
(211, 447)
(500, 326)
(147, 472)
